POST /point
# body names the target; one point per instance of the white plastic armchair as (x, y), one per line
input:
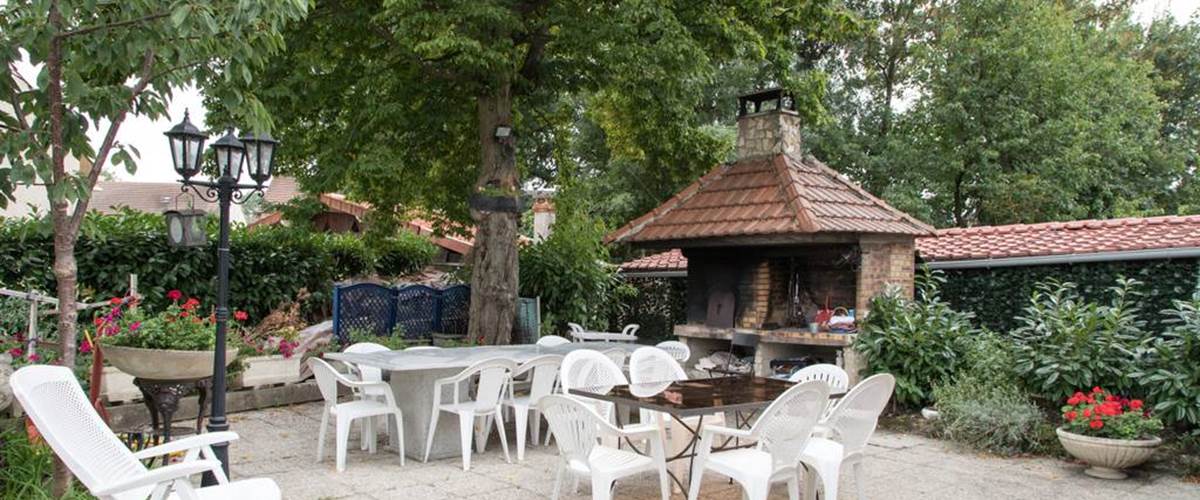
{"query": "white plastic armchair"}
(593, 372)
(678, 350)
(577, 429)
(783, 433)
(493, 376)
(835, 376)
(552, 340)
(55, 402)
(367, 373)
(345, 414)
(577, 331)
(542, 373)
(852, 423)
(631, 331)
(617, 355)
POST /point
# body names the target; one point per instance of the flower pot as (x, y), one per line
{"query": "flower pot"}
(1107, 456)
(268, 370)
(164, 364)
(930, 414)
(117, 386)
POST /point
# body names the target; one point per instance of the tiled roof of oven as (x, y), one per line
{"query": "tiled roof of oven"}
(670, 260)
(1061, 238)
(768, 196)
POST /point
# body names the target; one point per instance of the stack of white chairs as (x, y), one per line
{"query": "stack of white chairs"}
(849, 426)
(577, 429)
(66, 419)
(542, 375)
(344, 414)
(491, 377)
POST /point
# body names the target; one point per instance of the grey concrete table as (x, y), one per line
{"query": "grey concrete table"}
(412, 375)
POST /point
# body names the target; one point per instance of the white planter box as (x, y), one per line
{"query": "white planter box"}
(117, 386)
(269, 370)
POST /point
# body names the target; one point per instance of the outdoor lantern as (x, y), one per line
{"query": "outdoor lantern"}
(187, 147)
(229, 152)
(185, 228)
(260, 155)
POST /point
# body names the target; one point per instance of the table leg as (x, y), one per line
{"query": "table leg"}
(414, 394)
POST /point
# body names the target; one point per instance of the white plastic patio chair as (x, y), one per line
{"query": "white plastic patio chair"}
(577, 429)
(542, 373)
(651, 364)
(631, 330)
(345, 414)
(552, 340)
(678, 350)
(851, 424)
(493, 378)
(577, 331)
(55, 402)
(782, 433)
(594, 372)
(835, 376)
(367, 373)
(617, 356)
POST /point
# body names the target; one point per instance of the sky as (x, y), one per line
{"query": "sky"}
(155, 162)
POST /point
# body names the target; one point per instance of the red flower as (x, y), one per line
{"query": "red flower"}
(85, 346)
(1096, 424)
(98, 321)
(1070, 415)
(134, 326)
(1097, 390)
(174, 295)
(116, 301)
(1087, 412)
(241, 315)
(191, 303)
(183, 314)
(35, 357)
(1074, 400)
(1136, 404)
(16, 352)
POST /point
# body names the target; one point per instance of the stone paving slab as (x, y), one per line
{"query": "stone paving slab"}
(281, 443)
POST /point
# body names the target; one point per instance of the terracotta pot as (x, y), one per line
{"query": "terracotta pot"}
(1107, 456)
(164, 364)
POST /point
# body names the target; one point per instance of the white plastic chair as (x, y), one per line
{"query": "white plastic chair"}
(367, 373)
(421, 347)
(851, 424)
(577, 429)
(552, 340)
(617, 356)
(594, 372)
(678, 350)
(63, 415)
(577, 331)
(494, 375)
(543, 374)
(651, 364)
(631, 330)
(835, 376)
(782, 433)
(345, 414)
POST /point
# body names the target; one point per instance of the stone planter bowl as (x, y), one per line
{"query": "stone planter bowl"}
(164, 364)
(1107, 456)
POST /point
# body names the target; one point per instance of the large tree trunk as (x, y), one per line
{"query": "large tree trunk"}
(494, 258)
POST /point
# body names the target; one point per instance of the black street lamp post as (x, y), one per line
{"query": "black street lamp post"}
(258, 151)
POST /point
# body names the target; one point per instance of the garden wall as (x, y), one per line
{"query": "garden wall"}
(997, 295)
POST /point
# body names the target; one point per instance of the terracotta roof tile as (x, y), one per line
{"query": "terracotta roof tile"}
(1058, 238)
(671, 260)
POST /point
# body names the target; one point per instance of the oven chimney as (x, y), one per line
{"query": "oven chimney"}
(767, 124)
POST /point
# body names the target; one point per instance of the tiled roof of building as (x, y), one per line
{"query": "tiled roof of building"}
(282, 189)
(1061, 238)
(777, 195)
(670, 260)
(150, 197)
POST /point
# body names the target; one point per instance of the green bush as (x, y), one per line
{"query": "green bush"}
(1170, 376)
(658, 305)
(919, 342)
(571, 272)
(995, 417)
(1066, 342)
(401, 254)
(270, 265)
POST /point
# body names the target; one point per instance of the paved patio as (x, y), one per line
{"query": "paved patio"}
(281, 443)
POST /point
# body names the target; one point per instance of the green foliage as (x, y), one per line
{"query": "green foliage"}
(401, 254)
(299, 212)
(919, 342)
(25, 469)
(271, 265)
(657, 306)
(1170, 375)
(1066, 342)
(996, 417)
(571, 273)
(395, 341)
(989, 292)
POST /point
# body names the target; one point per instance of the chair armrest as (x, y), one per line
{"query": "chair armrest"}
(187, 443)
(639, 431)
(160, 475)
(726, 431)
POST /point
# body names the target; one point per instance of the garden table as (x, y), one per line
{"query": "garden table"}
(412, 374)
(592, 336)
(743, 396)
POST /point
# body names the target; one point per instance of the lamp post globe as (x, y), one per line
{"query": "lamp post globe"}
(229, 151)
(187, 147)
(260, 155)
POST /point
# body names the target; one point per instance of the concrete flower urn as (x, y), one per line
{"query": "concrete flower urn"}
(1107, 457)
(164, 364)
(269, 370)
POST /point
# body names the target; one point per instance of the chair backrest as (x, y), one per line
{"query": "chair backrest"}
(854, 418)
(494, 374)
(55, 402)
(552, 340)
(785, 427)
(651, 364)
(630, 329)
(833, 375)
(543, 372)
(678, 350)
(575, 327)
(327, 379)
(576, 428)
(617, 355)
(590, 370)
(421, 347)
(368, 373)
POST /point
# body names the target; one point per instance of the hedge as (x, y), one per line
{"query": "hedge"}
(998, 295)
(659, 305)
(270, 265)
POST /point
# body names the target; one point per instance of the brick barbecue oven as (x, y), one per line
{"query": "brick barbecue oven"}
(775, 236)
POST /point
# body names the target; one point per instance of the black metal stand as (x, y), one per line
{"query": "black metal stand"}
(161, 398)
